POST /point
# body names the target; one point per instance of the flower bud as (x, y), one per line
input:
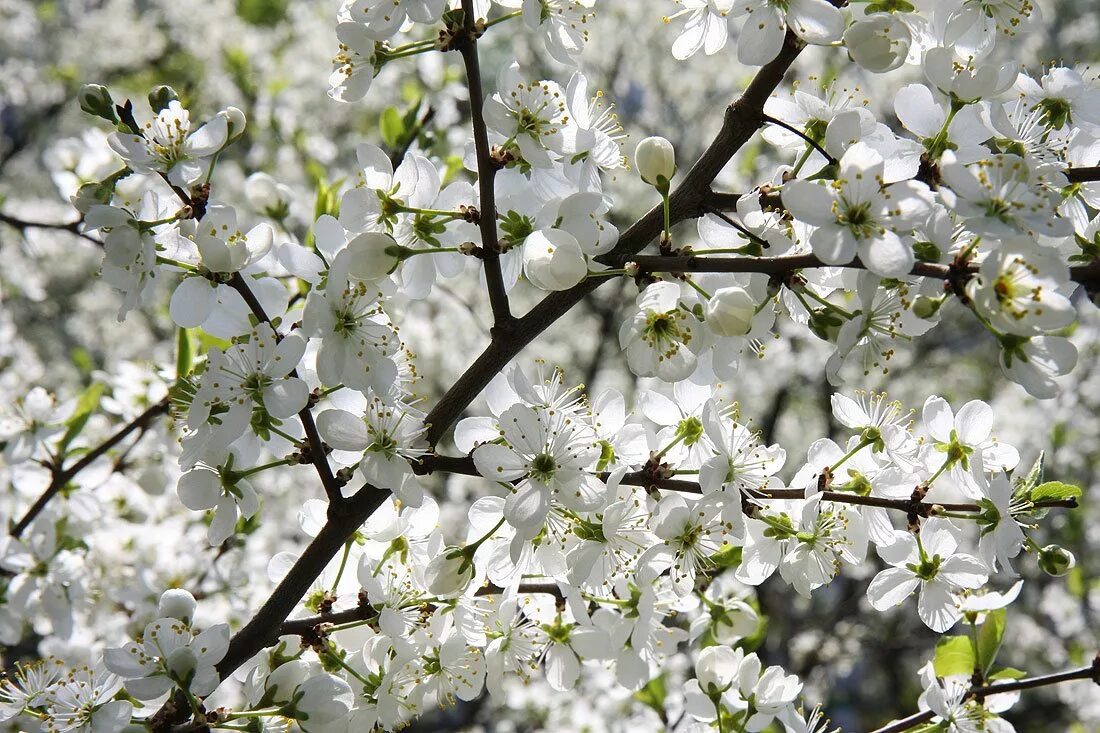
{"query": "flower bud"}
(925, 307)
(1055, 560)
(449, 573)
(268, 195)
(879, 42)
(372, 256)
(322, 699)
(717, 668)
(730, 312)
(91, 194)
(656, 161)
(96, 101)
(181, 664)
(284, 679)
(162, 96)
(553, 260)
(177, 603)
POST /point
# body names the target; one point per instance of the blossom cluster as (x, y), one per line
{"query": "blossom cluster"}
(608, 534)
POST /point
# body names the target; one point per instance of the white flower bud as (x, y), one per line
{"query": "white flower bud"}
(323, 699)
(730, 312)
(879, 42)
(717, 668)
(181, 664)
(553, 260)
(372, 256)
(655, 159)
(267, 195)
(177, 603)
(449, 573)
(284, 679)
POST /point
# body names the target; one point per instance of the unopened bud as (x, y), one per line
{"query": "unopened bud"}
(177, 603)
(1055, 560)
(449, 572)
(730, 312)
(655, 159)
(96, 101)
(879, 42)
(91, 194)
(926, 307)
(161, 97)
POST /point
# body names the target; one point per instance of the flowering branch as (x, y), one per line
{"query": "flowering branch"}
(486, 172)
(71, 227)
(308, 625)
(317, 453)
(1091, 672)
(646, 478)
(742, 119)
(61, 477)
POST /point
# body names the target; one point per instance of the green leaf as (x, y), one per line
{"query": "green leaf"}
(728, 556)
(653, 695)
(184, 353)
(268, 13)
(954, 655)
(1055, 491)
(989, 639)
(1006, 673)
(85, 406)
(392, 128)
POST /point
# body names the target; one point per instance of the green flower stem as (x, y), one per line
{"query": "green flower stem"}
(855, 449)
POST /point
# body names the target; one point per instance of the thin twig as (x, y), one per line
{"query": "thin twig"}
(317, 455)
(741, 121)
(308, 625)
(61, 477)
(465, 466)
(72, 227)
(486, 174)
(1092, 672)
(816, 146)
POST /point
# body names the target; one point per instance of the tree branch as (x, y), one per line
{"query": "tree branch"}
(308, 625)
(1092, 672)
(317, 455)
(1083, 174)
(62, 477)
(782, 265)
(264, 628)
(72, 227)
(741, 121)
(465, 466)
(486, 174)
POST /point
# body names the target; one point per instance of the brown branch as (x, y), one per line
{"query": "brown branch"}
(61, 477)
(741, 121)
(1092, 672)
(308, 626)
(317, 454)
(783, 265)
(72, 227)
(486, 174)
(465, 466)
(398, 155)
(1083, 174)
